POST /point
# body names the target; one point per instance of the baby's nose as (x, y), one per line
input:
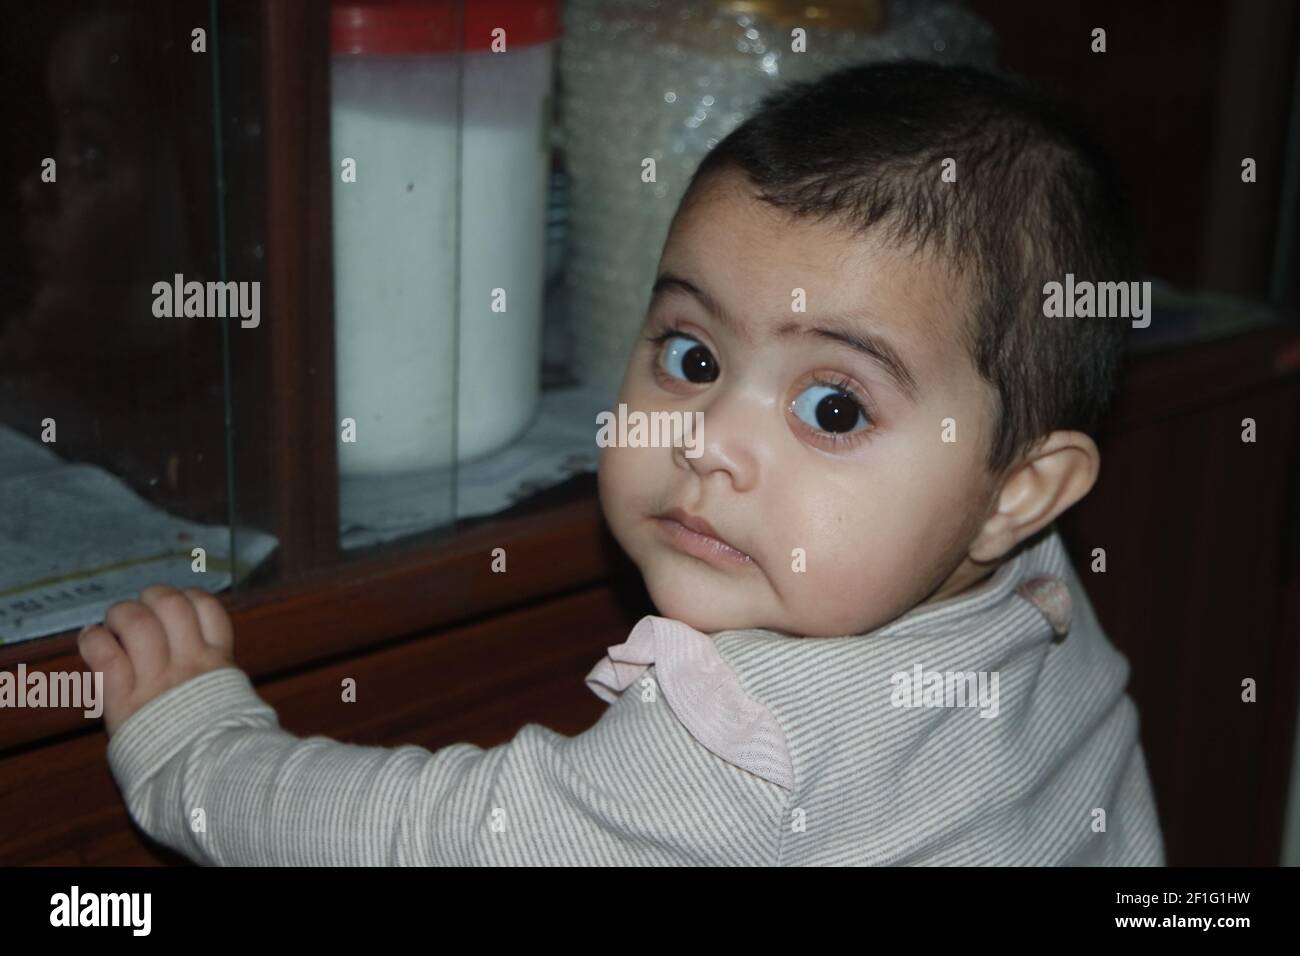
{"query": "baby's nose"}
(726, 441)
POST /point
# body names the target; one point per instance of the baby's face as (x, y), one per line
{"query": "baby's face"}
(825, 473)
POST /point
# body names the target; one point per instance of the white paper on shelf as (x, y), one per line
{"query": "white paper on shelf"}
(74, 539)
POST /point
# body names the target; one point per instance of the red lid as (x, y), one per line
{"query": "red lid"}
(391, 27)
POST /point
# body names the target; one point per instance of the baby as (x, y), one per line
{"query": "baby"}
(871, 647)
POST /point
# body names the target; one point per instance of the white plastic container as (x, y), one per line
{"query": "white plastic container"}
(398, 256)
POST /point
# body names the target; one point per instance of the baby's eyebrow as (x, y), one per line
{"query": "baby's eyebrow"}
(845, 332)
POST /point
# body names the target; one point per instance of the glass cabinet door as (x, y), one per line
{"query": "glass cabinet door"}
(275, 289)
(121, 291)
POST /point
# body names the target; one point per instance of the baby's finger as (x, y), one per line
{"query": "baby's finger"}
(180, 620)
(142, 636)
(101, 651)
(213, 620)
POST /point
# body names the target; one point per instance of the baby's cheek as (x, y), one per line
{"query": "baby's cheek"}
(629, 483)
(849, 577)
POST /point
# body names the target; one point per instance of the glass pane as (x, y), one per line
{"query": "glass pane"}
(112, 336)
(524, 422)
(441, 159)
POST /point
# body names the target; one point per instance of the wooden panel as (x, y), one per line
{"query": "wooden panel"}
(297, 334)
(1188, 515)
(1152, 95)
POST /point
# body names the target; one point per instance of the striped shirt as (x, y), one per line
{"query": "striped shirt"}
(989, 728)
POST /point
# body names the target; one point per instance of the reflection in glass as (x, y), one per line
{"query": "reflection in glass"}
(112, 439)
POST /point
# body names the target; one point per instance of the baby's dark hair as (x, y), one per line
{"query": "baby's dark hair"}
(1035, 197)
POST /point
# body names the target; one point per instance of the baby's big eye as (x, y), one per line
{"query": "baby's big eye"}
(686, 358)
(829, 409)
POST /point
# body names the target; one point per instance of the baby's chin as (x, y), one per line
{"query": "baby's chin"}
(709, 605)
(700, 601)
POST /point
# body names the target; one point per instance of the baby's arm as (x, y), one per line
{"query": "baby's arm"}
(634, 789)
(206, 770)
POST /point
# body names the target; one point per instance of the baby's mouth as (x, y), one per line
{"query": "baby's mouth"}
(696, 537)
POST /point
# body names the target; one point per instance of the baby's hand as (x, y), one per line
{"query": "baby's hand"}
(167, 637)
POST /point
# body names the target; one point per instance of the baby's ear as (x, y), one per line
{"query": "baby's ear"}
(1055, 474)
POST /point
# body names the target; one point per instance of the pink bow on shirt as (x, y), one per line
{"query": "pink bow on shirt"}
(703, 691)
